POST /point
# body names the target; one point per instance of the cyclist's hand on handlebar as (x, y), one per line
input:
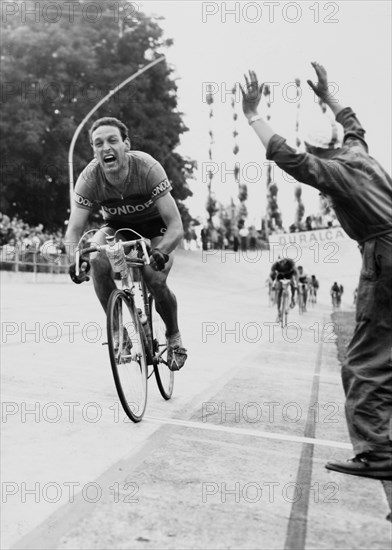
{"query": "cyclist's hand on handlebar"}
(158, 259)
(84, 268)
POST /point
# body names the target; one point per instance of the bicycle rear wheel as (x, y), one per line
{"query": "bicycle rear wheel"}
(163, 375)
(127, 354)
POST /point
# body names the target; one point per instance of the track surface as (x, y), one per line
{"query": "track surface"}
(234, 460)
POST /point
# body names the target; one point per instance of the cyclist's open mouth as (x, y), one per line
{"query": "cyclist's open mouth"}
(109, 160)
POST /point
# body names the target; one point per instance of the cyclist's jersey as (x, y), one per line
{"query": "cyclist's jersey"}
(304, 279)
(337, 289)
(135, 200)
(283, 269)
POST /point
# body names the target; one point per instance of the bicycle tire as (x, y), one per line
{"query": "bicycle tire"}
(127, 354)
(164, 376)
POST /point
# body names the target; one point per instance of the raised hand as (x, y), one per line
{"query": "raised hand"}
(252, 96)
(321, 88)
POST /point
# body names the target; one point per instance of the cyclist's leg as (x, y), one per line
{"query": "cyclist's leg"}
(292, 286)
(165, 299)
(166, 306)
(101, 270)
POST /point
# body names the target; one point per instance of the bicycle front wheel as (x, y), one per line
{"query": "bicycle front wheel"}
(284, 309)
(163, 375)
(127, 354)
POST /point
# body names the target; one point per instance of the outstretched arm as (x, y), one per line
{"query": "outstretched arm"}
(250, 102)
(321, 89)
(344, 115)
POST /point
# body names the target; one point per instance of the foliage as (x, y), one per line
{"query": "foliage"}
(273, 208)
(53, 75)
(299, 214)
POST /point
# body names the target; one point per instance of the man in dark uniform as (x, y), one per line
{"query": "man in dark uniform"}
(284, 268)
(361, 191)
(336, 293)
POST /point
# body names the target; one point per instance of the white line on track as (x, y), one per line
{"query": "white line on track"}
(253, 433)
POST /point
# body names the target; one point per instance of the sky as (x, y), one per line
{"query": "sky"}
(217, 42)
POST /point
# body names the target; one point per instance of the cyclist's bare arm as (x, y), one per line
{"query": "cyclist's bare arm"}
(76, 225)
(295, 277)
(272, 277)
(169, 212)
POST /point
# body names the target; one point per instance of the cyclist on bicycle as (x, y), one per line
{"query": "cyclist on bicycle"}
(284, 268)
(304, 281)
(314, 284)
(336, 293)
(133, 191)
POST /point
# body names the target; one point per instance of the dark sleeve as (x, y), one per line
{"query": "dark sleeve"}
(84, 196)
(352, 127)
(325, 175)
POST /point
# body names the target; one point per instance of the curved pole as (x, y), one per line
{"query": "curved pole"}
(97, 106)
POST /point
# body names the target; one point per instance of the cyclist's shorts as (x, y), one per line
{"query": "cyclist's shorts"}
(153, 228)
(288, 275)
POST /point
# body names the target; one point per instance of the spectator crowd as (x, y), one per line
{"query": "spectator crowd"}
(28, 245)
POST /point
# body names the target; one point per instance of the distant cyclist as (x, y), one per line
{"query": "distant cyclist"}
(304, 282)
(336, 294)
(284, 268)
(314, 286)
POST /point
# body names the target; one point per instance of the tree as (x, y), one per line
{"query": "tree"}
(53, 74)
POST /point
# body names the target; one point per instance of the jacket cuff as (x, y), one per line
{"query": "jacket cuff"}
(274, 145)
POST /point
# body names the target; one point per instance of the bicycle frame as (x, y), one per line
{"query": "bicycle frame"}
(127, 282)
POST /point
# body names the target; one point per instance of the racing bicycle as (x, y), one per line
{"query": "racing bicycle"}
(135, 331)
(301, 298)
(312, 295)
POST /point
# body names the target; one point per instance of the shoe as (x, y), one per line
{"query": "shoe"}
(176, 357)
(373, 465)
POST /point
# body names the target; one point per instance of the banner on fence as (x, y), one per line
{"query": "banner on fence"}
(308, 238)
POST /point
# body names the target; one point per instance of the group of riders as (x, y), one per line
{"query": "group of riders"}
(301, 284)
